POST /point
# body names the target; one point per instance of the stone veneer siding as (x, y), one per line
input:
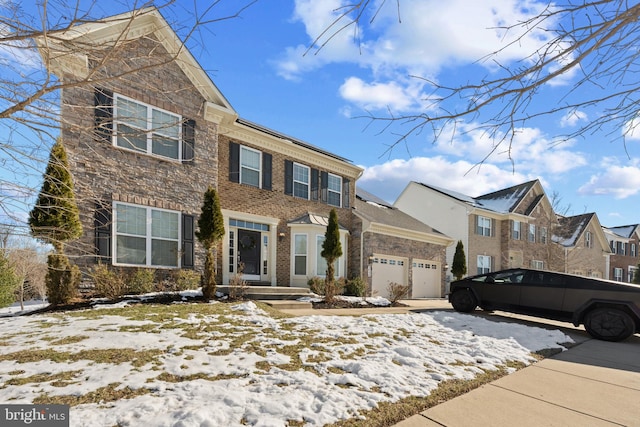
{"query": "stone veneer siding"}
(275, 203)
(105, 173)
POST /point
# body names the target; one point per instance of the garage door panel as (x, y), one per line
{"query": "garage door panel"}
(387, 270)
(426, 279)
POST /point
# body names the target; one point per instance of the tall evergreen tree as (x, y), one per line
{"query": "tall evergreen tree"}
(331, 251)
(8, 280)
(459, 267)
(55, 219)
(210, 232)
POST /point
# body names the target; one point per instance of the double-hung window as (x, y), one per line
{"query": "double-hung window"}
(515, 232)
(301, 181)
(146, 236)
(532, 232)
(617, 274)
(334, 190)
(484, 264)
(250, 166)
(633, 250)
(300, 254)
(543, 235)
(483, 227)
(147, 129)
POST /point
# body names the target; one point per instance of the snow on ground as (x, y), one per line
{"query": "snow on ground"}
(235, 364)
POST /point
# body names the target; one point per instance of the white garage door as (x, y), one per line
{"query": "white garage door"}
(426, 279)
(385, 270)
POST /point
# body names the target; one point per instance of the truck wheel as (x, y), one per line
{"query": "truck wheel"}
(609, 324)
(463, 300)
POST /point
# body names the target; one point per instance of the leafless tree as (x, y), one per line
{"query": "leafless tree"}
(32, 36)
(593, 42)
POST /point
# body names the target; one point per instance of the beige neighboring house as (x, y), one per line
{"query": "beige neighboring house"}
(584, 246)
(393, 247)
(506, 228)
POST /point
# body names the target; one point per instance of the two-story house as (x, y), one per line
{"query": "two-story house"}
(507, 228)
(584, 247)
(147, 132)
(623, 242)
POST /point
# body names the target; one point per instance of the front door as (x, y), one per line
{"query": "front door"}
(249, 254)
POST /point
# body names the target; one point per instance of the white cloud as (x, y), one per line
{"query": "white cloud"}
(618, 181)
(572, 118)
(631, 130)
(376, 96)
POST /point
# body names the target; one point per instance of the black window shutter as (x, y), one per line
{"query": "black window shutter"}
(102, 227)
(324, 185)
(345, 193)
(266, 171)
(188, 140)
(103, 115)
(188, 233)
(288, 177)
(234, 162)
(314, 184)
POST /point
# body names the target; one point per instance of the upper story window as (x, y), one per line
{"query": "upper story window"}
(301, 181)
(249, 166)
(250, 162)
(146, 236)
(313, 184)
(147, 129)
(612, 244)
(621, 248)
(633, 250)
(543, 235)
(483, 227)
(140, 127)
(515, 230)
(587, 239)
(334, 188)
(532, 233)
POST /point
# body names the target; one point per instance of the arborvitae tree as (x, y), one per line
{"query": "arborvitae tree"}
(459, 267)
(210, 232)
(55, 220)
(331, 251)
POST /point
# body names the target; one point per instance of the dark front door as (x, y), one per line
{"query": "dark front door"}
(249, 253)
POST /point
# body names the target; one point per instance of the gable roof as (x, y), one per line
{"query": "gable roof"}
(571, 228)
(385, 219)
(625, 231)
(502, 201)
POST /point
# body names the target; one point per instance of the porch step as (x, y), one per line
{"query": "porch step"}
(270, 292)
(288, 304)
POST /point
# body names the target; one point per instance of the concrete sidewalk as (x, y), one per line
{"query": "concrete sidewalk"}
(594, 383)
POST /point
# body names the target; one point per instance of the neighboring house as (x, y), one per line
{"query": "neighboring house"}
(390, 246)
(507, 228)
(624, 242)
(585, 250)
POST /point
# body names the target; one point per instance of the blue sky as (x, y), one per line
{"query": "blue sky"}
(258, 63)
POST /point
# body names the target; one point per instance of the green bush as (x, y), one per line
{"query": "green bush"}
(109, 284)
(8, 282)
(141, 281)
(62, 279)
(187, 280)
(316, 285)
(355, 287)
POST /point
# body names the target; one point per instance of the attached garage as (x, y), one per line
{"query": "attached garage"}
(386, 269)
(426, 279)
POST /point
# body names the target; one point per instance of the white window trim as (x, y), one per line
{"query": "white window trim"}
(634, 250)
(531, 234)
(478, 266)
(307, 184)
(515, 233)
(149, 130)
(338, 192)
(295, 254)
(537, 264)
(148, 237)
(617, 274)
(481, 220)
(587, 239)
(241, 166)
